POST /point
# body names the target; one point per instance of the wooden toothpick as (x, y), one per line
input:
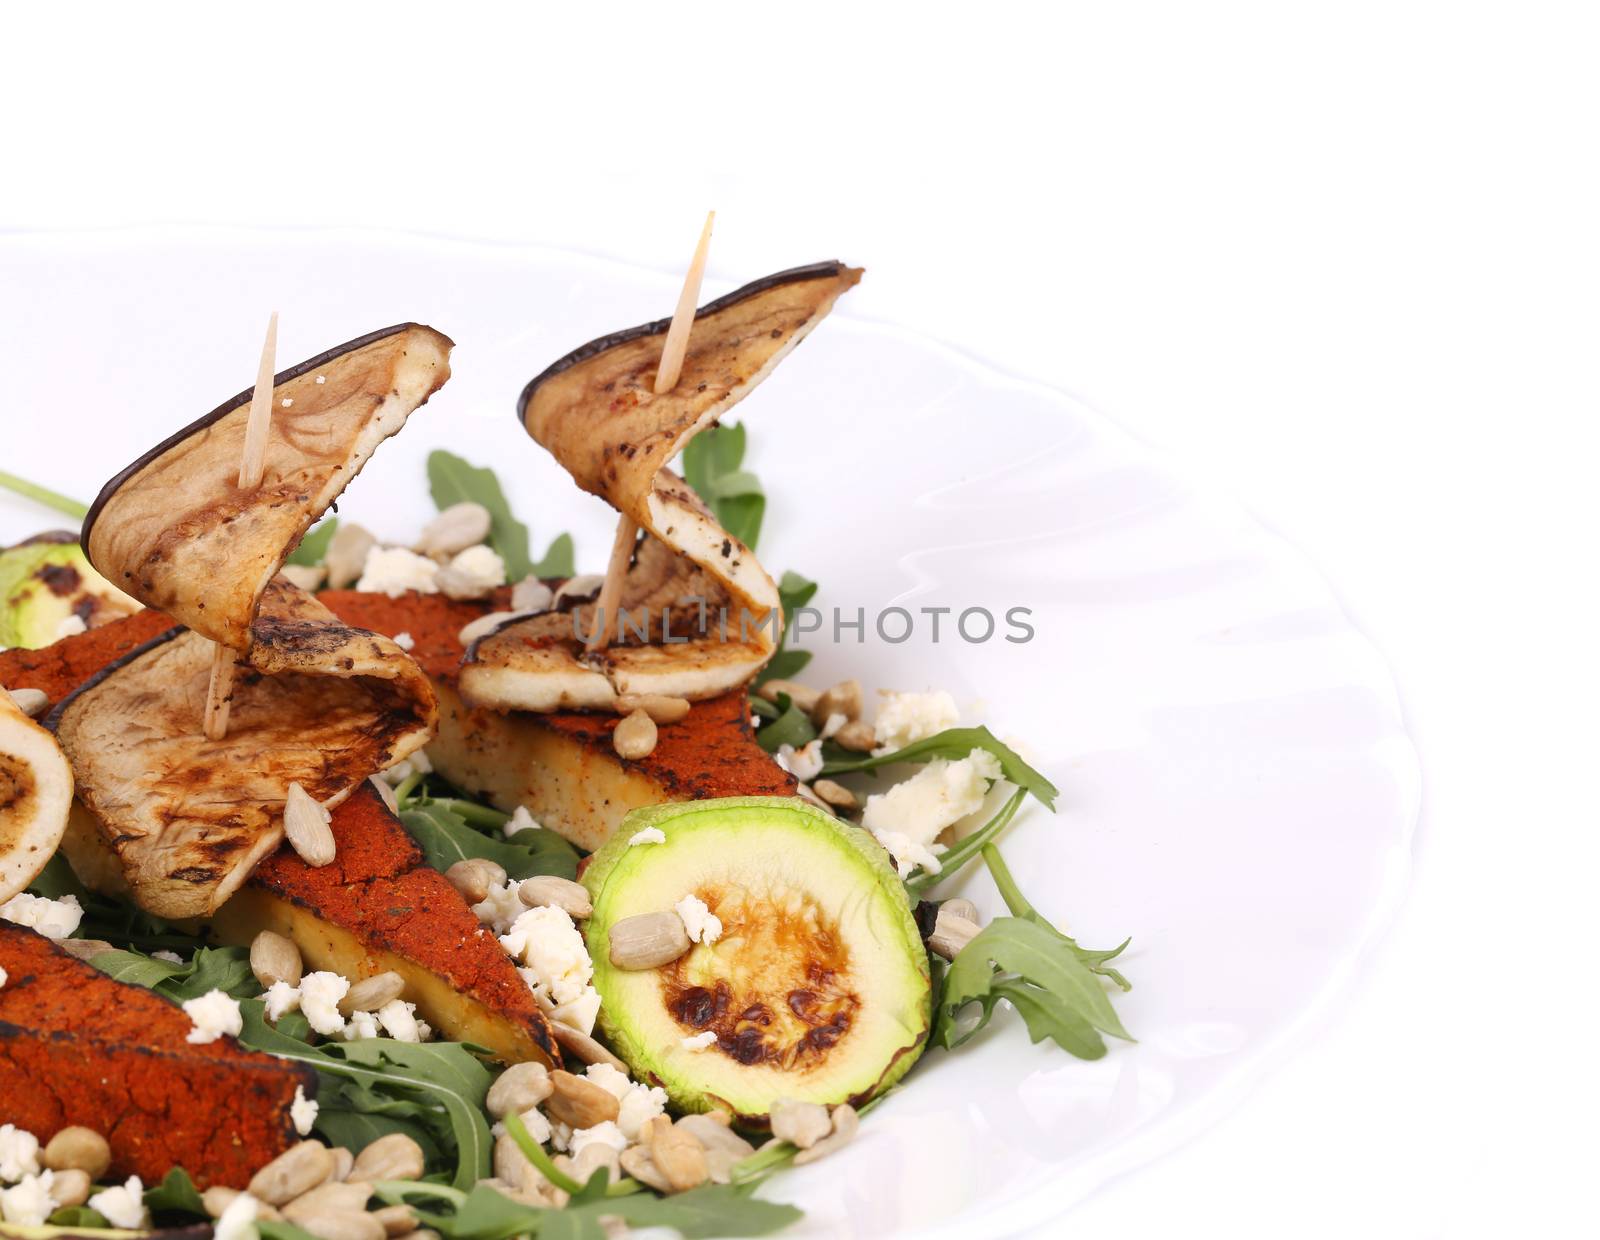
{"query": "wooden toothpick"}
(252, 466)
(673, 350)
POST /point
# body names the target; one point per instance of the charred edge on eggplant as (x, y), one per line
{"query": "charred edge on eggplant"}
(228, 406)
(794, 275)
(53, 720)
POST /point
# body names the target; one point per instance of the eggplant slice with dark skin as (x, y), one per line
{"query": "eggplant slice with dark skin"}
(698, 613)
(314, 701)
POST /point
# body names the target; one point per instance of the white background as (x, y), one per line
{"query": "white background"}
(1344, 255)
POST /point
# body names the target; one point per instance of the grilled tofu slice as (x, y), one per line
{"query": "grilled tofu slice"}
(77, 1047)
(562, 766)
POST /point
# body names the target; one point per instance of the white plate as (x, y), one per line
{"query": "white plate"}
(1238, 791)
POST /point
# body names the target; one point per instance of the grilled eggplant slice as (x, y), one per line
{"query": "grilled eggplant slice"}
(818, 987)
(35, 796)
(320, 704)
(175, 530)
(704, 613)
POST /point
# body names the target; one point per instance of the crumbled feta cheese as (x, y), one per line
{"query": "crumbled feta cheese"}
(362, 1025)
(699, 1041)
(169, 957)
(322, 379)
(501, 907)
(521, 820)
(579, 1013)
(703, 925)
(303, 1111)
(908, 817)
(55, 919)
(547, 942)
(31, 1200)
(214, 1013)
(281, 997)
(473, 573)
(19, 1153)
(238, 1220)
(405, 641)
(533, 1120)
(805, 763)
(319, 1000)
(531, 594)
(394, 570)
(560, 1135)
(639, 1103)
(399, 1021)
(904, 718)
(70, 626)
(123, 1204)
(287, 402)
(650, 835)
(605, 1133)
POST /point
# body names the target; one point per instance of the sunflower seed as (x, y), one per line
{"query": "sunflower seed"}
(306, 824)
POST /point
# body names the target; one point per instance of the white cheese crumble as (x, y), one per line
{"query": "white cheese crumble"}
(303, 1111)
(362, 1025)
(805, 763)
(55, 919)
(533, 1120)
(405, 641)
(31, 1200)
(547, 942)
(399, 1021)
(605, 1133)
(287, 402)
(579, 1013)
(650, 835)
(908, 817)
(322, 379)
(638, 1104)
(521, 820)
(320, 993)
(904, 718)
(123, 1204)
(394, 570)
(473, 573)
(19, 1153)
(703, 925)
(280, 997)
(70, 626)
(501, 907)
(213, 1014)
(238, 1220)
(699, 1041)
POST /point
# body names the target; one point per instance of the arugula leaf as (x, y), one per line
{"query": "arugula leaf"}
(313, 548)
(711, 463)
(794, 592)
(176, 1193)
(445, 838)
(211, 968)
(792, 726)
(957, 743)
(1031, 965)
(1019, 906)
(45, 496)
(558, 559)
(445, 1076)
(452, 480)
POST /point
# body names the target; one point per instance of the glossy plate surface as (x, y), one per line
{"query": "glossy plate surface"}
(1238, 791)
